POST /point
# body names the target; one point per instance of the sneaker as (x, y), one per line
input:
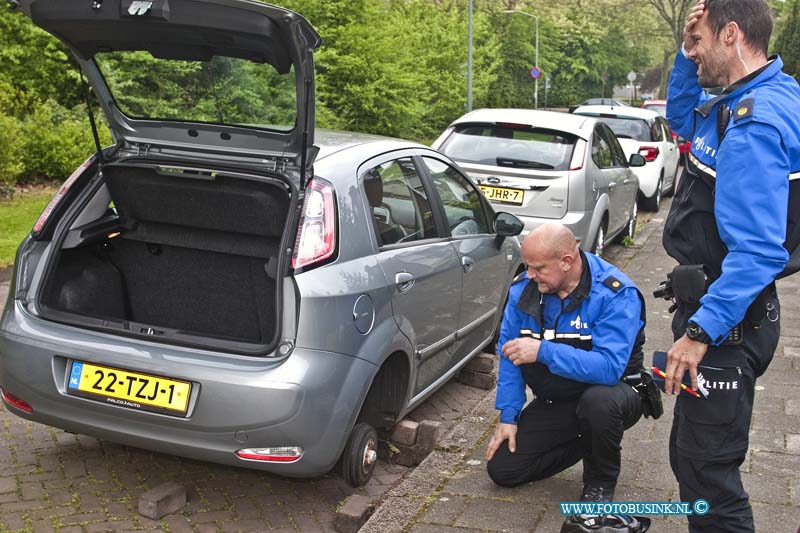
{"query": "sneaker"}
(596, 493)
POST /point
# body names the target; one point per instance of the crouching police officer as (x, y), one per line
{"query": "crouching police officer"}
(572, 328)
(729, 231)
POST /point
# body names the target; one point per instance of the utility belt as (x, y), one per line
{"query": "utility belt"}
(686, 284)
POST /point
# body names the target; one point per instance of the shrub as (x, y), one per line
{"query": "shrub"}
(11, 141)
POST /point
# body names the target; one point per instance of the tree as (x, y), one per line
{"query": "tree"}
(787, 43)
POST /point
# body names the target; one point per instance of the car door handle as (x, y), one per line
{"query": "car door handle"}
(404, 281)
(467, 262)
(627, 181)
(611, 186)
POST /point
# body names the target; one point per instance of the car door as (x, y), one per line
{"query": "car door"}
(672, 155)
(422, 269)
(485, 265)
(627, 183)
(610, 178)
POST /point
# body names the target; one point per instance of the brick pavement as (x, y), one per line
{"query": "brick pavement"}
(55, 481)
(451, 492)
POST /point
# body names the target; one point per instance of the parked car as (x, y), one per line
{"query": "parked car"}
(684, 146)
(599, 101)
(546, 166)
(644, 132)
(262, 296)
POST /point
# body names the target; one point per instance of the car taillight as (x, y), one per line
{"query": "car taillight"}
(14, 401)
(281, 454)
(650, 153)
(60, 194)
(578, 155)
(316, 238)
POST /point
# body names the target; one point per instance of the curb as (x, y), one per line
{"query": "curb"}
(404, 502)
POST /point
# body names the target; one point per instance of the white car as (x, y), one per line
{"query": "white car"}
(643, 132)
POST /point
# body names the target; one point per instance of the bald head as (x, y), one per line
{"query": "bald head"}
(554, 262)
(550, 241)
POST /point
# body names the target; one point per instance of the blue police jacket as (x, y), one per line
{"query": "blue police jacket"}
(590, 337)
(750, 168)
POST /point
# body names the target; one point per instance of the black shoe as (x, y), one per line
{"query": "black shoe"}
(597, 493)
(606, 524)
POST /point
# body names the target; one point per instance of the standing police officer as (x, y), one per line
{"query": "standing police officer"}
(729, 221)
(572, 328)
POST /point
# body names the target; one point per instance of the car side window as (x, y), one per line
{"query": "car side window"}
(667, 131)
(601, 151)
(656, 133)
(398, 203)
(462, 203)
(617, 153)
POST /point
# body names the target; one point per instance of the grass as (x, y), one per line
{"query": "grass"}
(17, 217)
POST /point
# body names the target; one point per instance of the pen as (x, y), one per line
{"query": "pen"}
(658, 372)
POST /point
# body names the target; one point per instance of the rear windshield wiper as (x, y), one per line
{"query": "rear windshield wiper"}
(521, 163)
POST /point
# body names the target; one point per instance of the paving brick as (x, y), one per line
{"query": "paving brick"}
(483, 362)
(212, 516)
(8, 484)
(162, 500)
(178, 524)
(353, 514)
(478, 380)
(427, 435)
(405, 432)
(115, 525)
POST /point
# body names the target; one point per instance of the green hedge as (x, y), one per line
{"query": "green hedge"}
(49, 143)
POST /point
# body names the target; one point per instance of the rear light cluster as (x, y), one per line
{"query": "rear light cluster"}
(578, 155)
(60, 194)
(280, 454)
(650, 153)
(316, 238)
(15, 401)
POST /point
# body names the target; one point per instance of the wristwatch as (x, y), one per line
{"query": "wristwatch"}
(696, 333)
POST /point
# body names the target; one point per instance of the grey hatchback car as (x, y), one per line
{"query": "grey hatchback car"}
(260, 296)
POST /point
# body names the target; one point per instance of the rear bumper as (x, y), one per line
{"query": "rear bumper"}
(309, 399)
(579, 222)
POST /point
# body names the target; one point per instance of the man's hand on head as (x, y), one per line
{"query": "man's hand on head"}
(502, 432)
(521, 350)
(688, 30)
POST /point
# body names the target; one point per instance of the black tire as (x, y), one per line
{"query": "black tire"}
(599, 240)
(630, 227)
(652, 203)
(360, 455)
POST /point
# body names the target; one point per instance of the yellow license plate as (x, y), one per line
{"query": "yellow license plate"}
(129, 389)
(503, 194)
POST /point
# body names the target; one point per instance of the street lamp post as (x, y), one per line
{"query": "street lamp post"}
(535, 80)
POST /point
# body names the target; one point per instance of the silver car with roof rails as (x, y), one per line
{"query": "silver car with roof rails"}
(256, 295)
(546, 166)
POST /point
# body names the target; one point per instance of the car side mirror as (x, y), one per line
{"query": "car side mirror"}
(637, 160)
(507, 225)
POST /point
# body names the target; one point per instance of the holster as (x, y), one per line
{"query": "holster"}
(689, 283)
(649, 393)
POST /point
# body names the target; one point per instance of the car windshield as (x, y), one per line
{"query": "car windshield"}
(219, 90)
(626, 128)
(511, 146)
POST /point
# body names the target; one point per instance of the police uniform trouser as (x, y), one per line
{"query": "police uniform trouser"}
(709, 437)
(551, 437)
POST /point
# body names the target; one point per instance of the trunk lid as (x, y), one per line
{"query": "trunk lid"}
(232, 78)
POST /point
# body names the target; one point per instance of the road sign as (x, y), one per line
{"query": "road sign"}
(631, 76)
(536, 72)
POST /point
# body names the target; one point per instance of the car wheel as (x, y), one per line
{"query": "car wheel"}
(652, 203)
(360, 455)
(599, 240)
(630, 227)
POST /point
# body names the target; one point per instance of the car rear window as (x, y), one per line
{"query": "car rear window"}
(217, 90)
(661, 109)
(511, 146)
(627, 128)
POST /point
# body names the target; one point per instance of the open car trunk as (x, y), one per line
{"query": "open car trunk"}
(185, 257)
